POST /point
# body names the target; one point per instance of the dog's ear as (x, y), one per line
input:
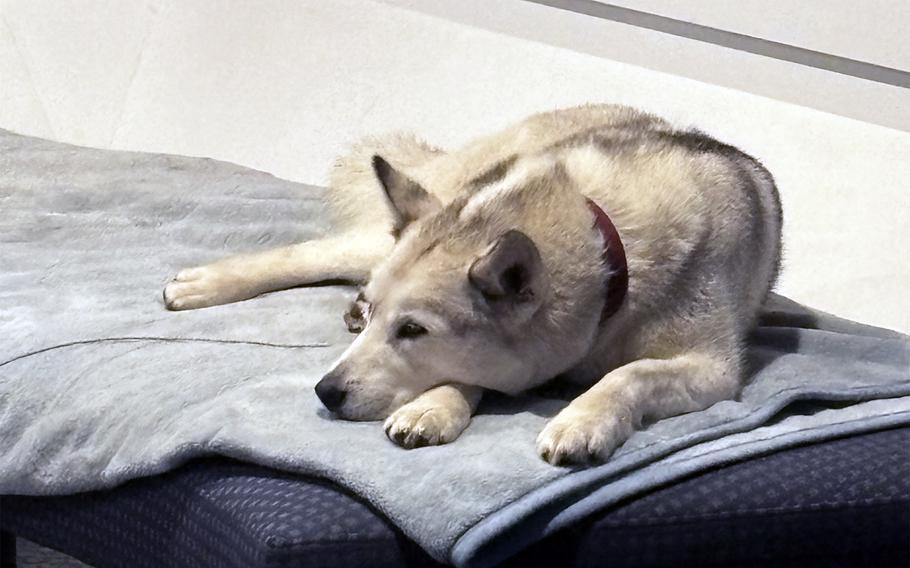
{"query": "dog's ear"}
(511, 274)
(409, 200)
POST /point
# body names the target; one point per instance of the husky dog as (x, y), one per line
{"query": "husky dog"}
(598, 243)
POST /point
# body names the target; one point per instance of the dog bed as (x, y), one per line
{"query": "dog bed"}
(100, 385)
(844, 502)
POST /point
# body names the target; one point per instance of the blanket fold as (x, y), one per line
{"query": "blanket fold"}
(100, 384)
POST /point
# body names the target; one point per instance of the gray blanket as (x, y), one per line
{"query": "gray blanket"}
(99, 384)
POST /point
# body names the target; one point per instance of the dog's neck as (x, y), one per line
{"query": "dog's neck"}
(614, 256)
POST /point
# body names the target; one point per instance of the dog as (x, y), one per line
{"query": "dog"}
(597, 243)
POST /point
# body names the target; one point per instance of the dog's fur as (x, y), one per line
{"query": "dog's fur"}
(482, 269)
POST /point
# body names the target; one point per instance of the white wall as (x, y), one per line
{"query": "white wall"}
(870, 101)
(874, 31)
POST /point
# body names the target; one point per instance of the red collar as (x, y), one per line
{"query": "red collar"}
(614, 256)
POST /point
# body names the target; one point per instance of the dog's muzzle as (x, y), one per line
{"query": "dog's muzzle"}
(330, 391)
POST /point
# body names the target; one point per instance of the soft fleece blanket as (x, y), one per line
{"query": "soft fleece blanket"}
(99, 384)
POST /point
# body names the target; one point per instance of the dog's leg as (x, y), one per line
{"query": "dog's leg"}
(598, 421)
(345, 257)
(437, 416)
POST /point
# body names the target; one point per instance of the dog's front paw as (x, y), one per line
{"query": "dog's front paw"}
(578, 436)
(204, 286)
(416, 424)
(356, 317)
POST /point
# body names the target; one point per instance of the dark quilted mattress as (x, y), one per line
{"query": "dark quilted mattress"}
(844, 502)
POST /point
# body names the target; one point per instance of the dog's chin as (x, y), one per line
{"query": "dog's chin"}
(363, 413)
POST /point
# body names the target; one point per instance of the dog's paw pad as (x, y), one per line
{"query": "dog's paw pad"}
(178, 296)
(416, 428)
(190, 274)
(199, 287)
(354, 322)
(577, 438)
(355, 318)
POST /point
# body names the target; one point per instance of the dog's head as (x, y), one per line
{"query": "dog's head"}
(502, 288)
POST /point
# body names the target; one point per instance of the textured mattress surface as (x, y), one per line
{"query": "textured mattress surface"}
(844, 502)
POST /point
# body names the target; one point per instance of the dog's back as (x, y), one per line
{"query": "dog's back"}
(485, 269)
(700, 220)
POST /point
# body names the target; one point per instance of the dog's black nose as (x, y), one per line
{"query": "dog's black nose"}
(330, 391)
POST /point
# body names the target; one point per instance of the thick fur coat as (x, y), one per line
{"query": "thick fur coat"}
(481, 268)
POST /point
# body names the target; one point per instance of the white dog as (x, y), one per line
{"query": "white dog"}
(598, 243)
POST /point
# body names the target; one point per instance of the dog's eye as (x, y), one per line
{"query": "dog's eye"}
(410, 330)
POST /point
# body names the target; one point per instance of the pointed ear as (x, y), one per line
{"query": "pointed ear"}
(510, 274)
(409, 200)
